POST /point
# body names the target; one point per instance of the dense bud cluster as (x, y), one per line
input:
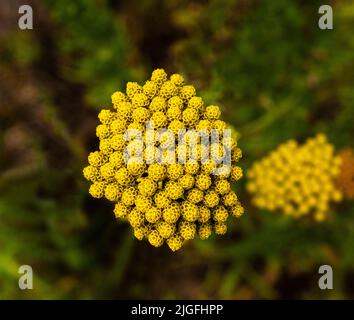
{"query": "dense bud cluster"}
(163, 194)
(345, 179)
(297, 179)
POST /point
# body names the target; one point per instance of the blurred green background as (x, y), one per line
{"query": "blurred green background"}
(274, 72)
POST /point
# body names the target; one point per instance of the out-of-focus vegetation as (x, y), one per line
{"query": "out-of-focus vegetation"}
(277, 76)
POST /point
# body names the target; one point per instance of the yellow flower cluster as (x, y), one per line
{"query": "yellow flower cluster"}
(297, 179)
(345, 179)
(164, 201)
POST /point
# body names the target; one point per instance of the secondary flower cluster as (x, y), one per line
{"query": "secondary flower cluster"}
(297, 179)
(164, 201)
(345, 179)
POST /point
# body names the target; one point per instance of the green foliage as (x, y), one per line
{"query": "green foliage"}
(93, 47)
(20, 47)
